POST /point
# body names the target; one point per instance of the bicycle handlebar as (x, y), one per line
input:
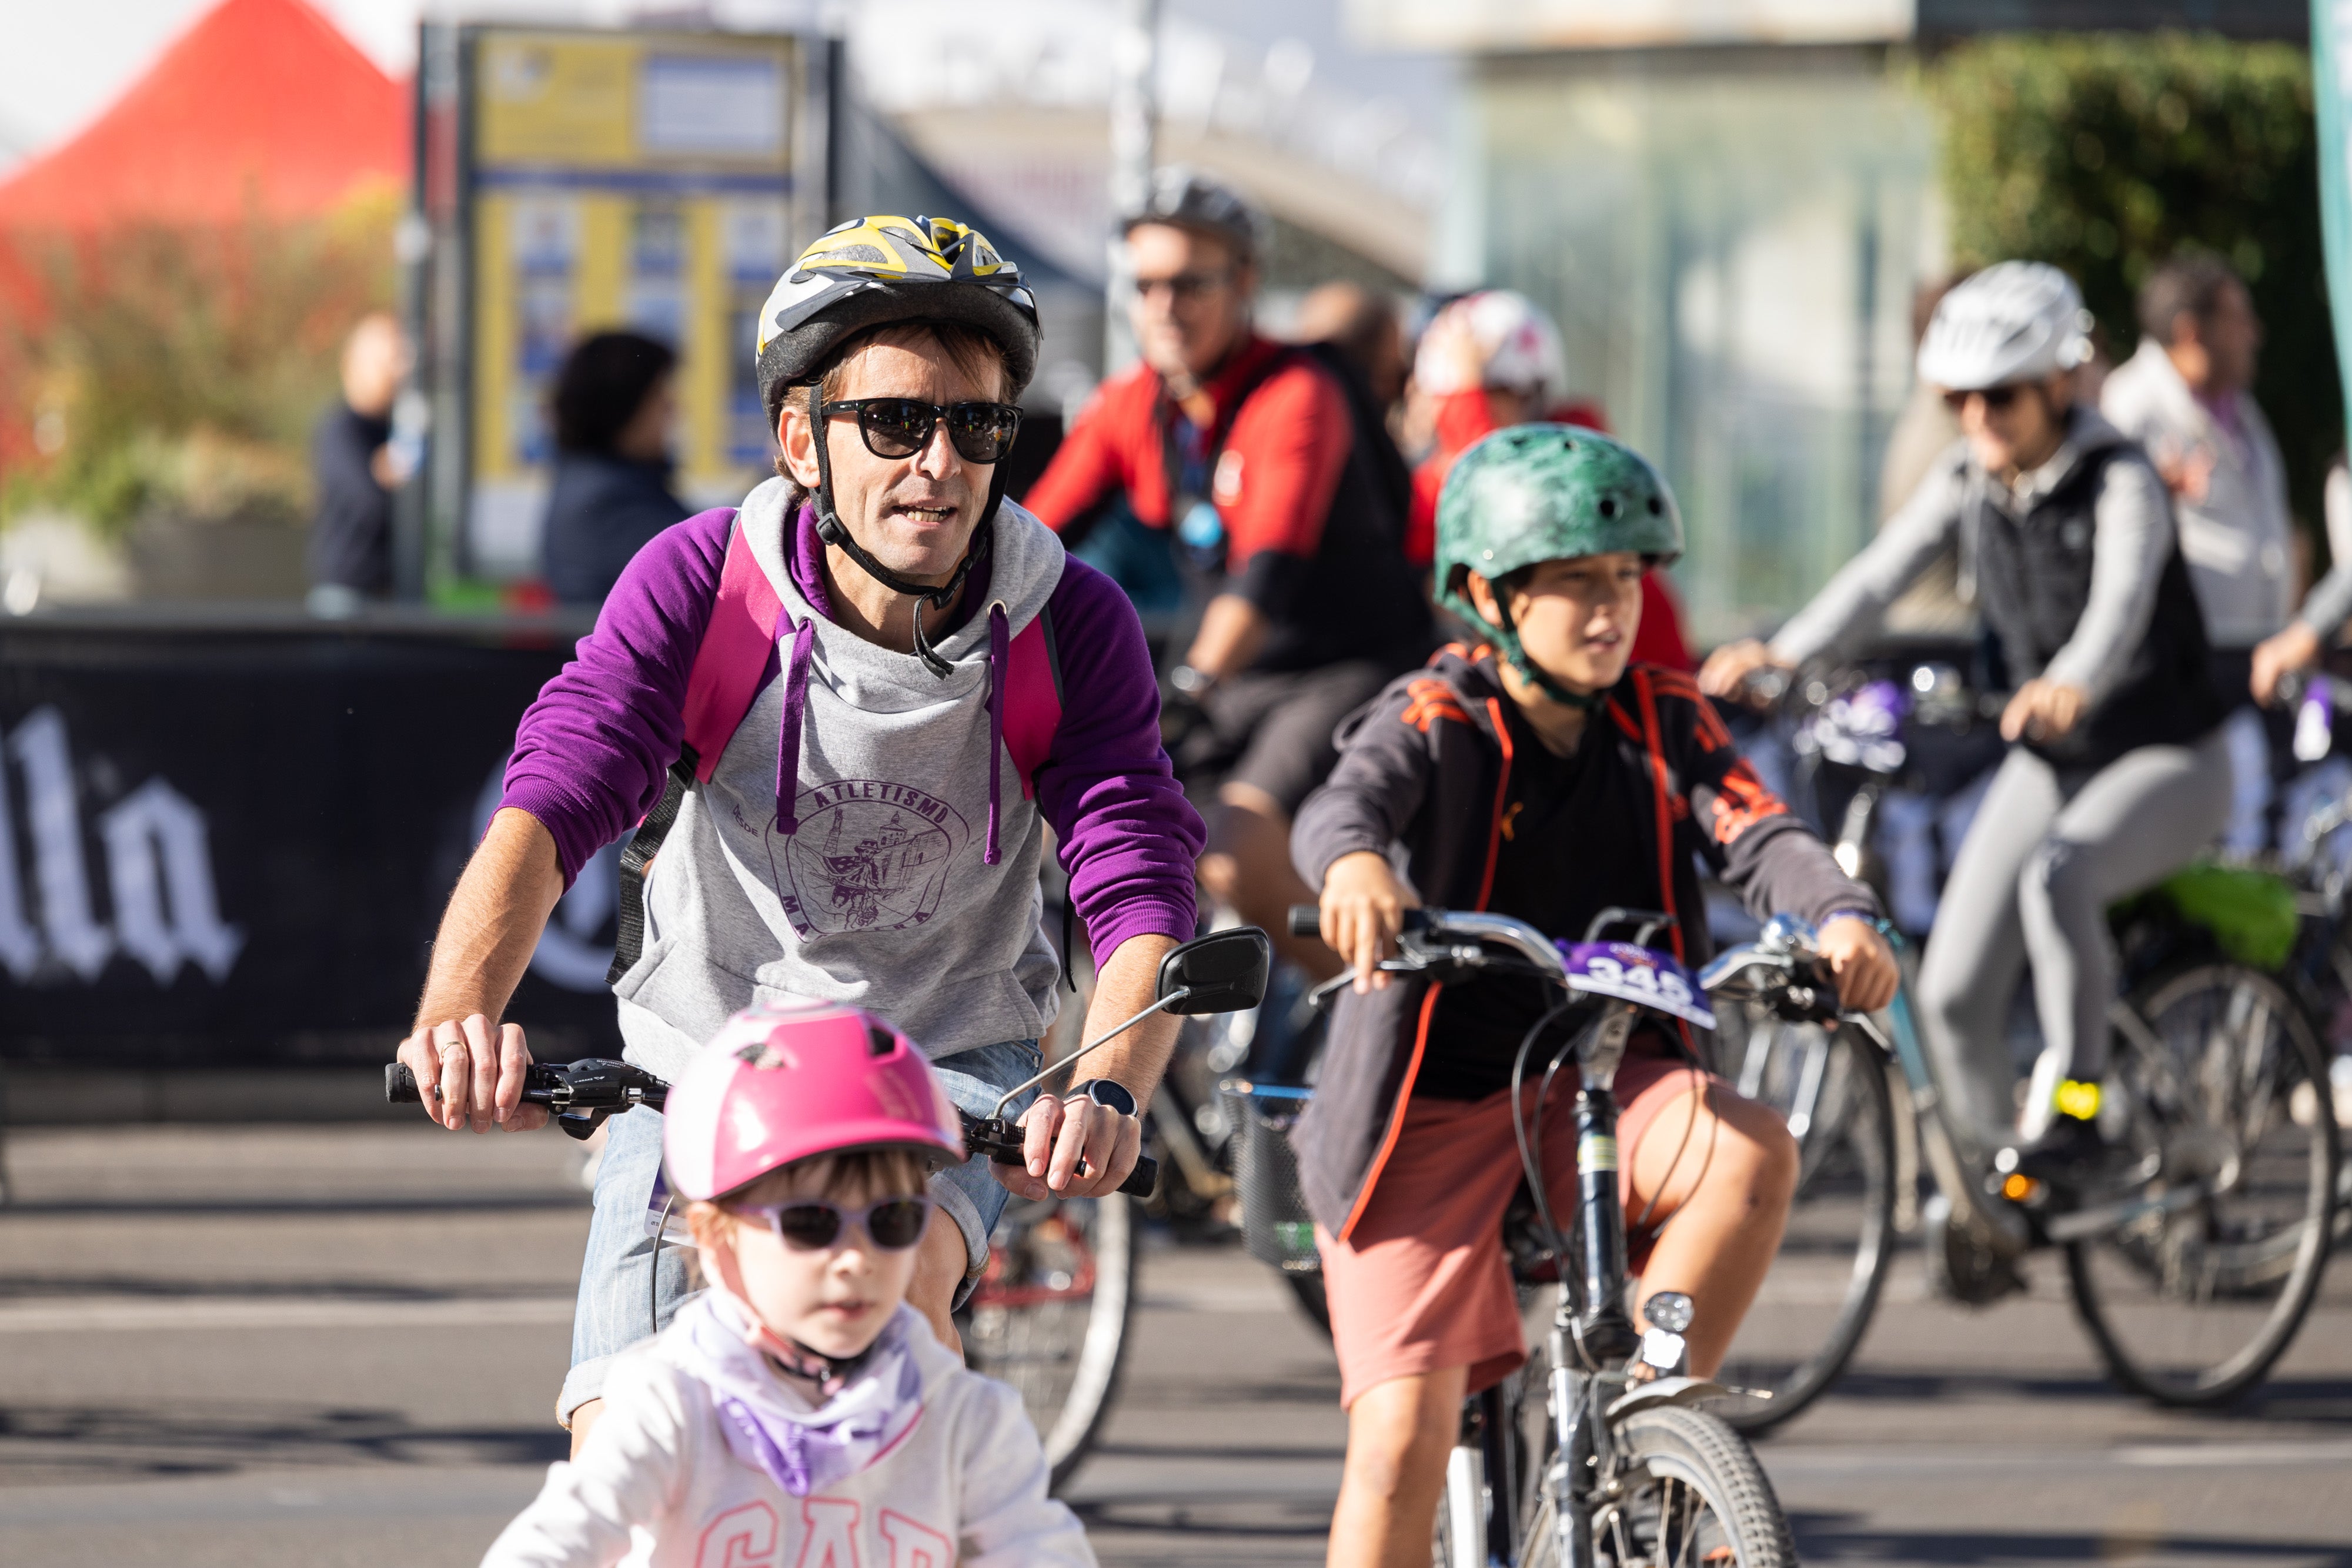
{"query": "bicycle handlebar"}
(584, 1094)
(1454, 937)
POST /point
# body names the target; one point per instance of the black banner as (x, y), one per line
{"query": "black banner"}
(229, 845)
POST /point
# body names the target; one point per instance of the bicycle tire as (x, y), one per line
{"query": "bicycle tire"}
(1845, 1202)
(1675, 1450)
(2224, 1270)
(1024, 1328)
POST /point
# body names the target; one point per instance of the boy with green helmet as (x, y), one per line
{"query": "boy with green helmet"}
(1544, 776)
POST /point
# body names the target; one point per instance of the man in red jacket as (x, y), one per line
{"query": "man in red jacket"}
(1268, 462)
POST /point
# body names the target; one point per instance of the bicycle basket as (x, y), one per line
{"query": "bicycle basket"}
(1275, 1225)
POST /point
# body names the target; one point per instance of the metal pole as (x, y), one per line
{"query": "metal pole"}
(1134, 121)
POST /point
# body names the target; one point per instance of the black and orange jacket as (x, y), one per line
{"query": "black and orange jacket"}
(1426, 766)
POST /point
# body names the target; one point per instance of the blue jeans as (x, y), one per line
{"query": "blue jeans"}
(619, 1304)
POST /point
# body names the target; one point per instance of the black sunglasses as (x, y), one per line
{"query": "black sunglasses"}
(901, 426)
(894, 1223)
(1996, 399)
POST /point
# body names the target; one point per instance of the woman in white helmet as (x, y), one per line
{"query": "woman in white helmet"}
(2117, 773)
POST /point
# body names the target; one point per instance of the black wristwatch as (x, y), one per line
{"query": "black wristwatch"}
(1109, 1093)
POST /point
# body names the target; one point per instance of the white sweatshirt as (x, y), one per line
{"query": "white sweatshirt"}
(2238, 536)
(657, 1486)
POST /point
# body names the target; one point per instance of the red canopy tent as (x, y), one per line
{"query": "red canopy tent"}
(262, 106)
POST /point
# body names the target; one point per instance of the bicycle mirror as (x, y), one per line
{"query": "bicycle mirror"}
(1224, 972)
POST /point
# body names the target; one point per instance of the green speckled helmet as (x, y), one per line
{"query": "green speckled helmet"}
(1547, 492)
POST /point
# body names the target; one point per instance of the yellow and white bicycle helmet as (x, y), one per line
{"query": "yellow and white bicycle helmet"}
(874, 270)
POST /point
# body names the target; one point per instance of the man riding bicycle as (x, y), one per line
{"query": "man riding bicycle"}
(1542, 775)
(2117, 772)
(1249, 451)
(869, 830)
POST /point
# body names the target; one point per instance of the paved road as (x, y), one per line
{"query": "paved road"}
(327, 1346)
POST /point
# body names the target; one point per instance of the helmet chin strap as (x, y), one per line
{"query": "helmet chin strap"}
(834, 531)
(1583, 702)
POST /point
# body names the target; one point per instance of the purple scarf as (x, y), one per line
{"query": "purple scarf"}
(802, 1450)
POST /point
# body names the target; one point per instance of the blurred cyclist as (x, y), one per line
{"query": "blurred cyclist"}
(1491, 359)
(2117, 773)
(1250, 450)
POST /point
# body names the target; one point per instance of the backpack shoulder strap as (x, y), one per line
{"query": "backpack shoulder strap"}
(725, 677)
(733, 654)
(1032, 698)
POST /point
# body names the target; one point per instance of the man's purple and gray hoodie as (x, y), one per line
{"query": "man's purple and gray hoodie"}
(850, 861)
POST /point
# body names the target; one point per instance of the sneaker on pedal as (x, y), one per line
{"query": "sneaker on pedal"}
(2070, 1158)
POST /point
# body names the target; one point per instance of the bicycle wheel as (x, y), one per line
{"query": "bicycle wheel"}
(1693, 1495)
(2193, 1299)
(1818, 1300)
(1050, 1315)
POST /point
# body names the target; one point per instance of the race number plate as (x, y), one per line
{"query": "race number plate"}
(1632, 973)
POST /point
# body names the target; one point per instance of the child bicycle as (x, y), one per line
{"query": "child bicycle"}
(1598, 1457)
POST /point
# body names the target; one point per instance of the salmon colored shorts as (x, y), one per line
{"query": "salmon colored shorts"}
(1421, 1282)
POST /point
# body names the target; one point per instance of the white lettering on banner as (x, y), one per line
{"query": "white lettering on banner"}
(75, 938)
(159, 873)
(20, 945)
(165, 921)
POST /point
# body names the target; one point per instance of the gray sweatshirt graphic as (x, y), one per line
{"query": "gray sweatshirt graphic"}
(875, 891)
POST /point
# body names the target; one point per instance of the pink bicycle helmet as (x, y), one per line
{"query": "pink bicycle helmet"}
(793, 1080)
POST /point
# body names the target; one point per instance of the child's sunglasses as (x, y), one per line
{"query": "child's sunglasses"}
(894, 1223)
(901, 426)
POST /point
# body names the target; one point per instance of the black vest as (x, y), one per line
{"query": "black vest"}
(2034, 578)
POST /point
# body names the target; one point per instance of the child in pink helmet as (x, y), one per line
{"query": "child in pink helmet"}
(797, 1410)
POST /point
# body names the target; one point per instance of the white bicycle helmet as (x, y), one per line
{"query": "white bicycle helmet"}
(1521, 347)
(2017, 321)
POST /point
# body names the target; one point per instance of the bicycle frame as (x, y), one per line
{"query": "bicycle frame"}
(1591, 1333)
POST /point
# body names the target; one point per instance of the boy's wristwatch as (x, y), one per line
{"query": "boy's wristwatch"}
(1107, 1092)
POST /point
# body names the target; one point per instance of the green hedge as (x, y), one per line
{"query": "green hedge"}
(2104, 153)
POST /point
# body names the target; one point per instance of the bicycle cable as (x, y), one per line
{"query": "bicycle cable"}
(1529, 1164)
(653, 1272)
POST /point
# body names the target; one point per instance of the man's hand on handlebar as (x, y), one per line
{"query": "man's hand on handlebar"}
(478, 1069)
(1363, 909)
(1057, 1134)
(1725, 673)
(1861, 963)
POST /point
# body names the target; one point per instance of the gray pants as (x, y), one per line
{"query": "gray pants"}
(2033, 882)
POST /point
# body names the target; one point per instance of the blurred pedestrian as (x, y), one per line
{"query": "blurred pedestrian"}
(1361, 324)
(2187, 398)
(1489, 360)
(357, 471)
(615, 401)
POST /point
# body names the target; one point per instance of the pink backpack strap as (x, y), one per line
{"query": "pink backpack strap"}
(1032, 699)
(744, 618)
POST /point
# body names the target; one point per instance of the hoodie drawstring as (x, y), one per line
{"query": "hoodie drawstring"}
(999, 650)
(788, 735)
